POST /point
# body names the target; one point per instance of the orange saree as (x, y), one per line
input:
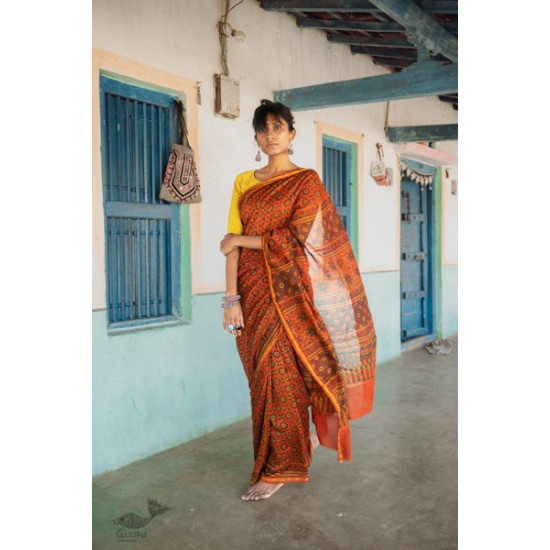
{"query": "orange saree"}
(309, 338)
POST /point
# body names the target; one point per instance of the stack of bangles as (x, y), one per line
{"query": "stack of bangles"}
(230, 301)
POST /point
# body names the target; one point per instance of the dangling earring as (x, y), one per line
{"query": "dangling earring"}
(258, 156)
(290, 149)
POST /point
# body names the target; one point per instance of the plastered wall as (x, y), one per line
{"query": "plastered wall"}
(180, 40)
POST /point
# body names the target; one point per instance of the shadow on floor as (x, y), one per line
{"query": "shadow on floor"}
(398, 492)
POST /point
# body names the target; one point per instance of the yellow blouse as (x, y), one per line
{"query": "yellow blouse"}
(243, 182)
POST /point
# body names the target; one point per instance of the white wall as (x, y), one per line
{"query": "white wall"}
(180, 37)
(449, 245)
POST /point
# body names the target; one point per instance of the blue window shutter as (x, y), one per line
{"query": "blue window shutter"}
(337, 177)
(142, 232)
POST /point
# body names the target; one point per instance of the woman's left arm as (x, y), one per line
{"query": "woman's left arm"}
(231, 242)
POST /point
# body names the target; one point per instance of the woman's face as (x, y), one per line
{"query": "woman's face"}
(275, 138)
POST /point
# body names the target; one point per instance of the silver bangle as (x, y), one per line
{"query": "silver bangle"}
(230, 301)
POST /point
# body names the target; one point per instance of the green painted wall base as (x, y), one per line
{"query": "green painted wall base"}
(382, 290)
(449, 300)
(154, 389)
(157, 388)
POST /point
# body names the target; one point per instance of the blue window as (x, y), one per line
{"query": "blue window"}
(142, 232)
(337, 177)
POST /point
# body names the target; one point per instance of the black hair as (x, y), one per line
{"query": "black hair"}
(278, 110)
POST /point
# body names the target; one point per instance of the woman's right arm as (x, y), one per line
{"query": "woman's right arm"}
(232, 315)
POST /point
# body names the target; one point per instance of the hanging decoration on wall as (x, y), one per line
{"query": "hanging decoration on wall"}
(378, 168)
(417, 172)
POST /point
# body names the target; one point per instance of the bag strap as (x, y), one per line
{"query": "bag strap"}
(183, 127)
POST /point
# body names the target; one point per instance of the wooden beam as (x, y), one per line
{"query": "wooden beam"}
(451, 98)
(319, 6)
(365, 26)
(386, 52)
(422, 27)
(340, 25)
(391, 63)
(370, 41)
(357, 6)
(440, 6)
(437, 132)
(426, 80)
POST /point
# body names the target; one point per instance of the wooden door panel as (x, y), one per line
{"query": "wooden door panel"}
(415, 261)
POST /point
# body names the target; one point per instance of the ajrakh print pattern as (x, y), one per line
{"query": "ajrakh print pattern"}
(309, 337)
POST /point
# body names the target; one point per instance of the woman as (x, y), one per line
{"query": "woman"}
(296, 302)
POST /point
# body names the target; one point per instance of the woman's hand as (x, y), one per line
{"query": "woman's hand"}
(227, 244)
(233, 316)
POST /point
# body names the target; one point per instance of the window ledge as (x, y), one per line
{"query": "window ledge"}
(133, 326)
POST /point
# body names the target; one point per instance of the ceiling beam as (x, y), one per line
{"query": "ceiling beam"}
(319, 6)
(436, 132)
(340, 25)
(365, 26)
(421, 28)
(391, 63)
(449, 7)
(370, 41)
(386, 52)
(357, 6)
(426, 80)
(449, 97)
(453, 99)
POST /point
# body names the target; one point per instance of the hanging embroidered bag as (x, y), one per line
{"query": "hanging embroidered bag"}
(181, 179)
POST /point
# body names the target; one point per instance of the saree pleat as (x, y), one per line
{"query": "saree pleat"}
(309, 338)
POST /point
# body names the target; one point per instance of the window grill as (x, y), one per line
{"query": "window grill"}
(142, 232)
(336, 178)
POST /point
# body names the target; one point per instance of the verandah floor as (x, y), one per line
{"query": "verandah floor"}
(398, 492)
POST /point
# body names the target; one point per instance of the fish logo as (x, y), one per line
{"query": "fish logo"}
(133, 521)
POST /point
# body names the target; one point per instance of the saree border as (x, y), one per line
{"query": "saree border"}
(274, 178)
(300, 352)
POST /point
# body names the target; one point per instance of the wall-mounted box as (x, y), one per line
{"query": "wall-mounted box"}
(227, 96)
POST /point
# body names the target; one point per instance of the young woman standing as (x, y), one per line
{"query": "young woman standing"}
(296, 303)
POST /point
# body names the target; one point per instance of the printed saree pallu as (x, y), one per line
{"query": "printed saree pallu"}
(309, 338)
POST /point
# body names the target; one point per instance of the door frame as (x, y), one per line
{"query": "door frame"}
(433, 256)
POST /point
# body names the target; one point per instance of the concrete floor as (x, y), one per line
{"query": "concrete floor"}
(398, 492)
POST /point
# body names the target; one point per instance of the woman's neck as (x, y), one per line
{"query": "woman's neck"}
(277, 164)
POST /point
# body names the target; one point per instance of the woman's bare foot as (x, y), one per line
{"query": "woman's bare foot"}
(261, 490)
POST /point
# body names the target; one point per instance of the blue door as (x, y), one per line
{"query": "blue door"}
(417, 244)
